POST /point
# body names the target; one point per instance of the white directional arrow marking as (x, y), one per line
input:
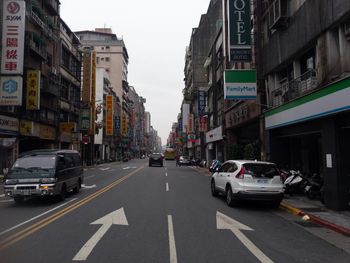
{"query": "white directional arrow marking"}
(128, 167)
(115, 218)
(225, 222)
(83, 186)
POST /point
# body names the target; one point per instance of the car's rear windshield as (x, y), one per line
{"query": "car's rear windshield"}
(156, 155)
(261, 170)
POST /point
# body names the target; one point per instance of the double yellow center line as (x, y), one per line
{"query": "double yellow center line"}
(37, 226)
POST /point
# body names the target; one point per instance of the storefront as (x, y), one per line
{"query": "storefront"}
(214, 145)
(312, 134)
(9, 131)
(36, 136)
(244, 131)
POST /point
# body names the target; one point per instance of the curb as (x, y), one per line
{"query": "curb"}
(339, 229)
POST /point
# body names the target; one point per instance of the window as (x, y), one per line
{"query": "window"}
(233, 167)
(107, 47)
(107, 59)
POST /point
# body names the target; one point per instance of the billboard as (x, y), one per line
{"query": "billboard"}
(13, 28)
(239, 30)
(33, 90)
(86, 92)
(11, 91)
(240, 85)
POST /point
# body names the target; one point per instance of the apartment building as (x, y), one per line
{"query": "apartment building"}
(30, 87)
(305, 61)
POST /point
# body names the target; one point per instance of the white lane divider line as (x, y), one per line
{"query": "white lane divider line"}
(36, 217)
(167, 187)
(166, 174)
(172, 245)
(3, 195)
(105, 169)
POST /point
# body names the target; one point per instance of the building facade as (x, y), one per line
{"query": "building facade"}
(307, 74)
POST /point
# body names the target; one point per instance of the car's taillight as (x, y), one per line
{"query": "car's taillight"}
(240, 175)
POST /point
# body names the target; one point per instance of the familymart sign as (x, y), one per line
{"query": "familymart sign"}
(240, 85)
(239, 30)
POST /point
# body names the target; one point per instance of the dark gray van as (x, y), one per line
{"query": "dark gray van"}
(44, 173)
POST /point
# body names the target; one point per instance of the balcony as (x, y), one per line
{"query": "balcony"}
(52, 6)
(296, 88)
(50, 87)
(38, 49)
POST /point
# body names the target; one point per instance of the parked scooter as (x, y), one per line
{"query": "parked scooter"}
(314, 187)
(295, 183)
(203, 163)
(215, 164)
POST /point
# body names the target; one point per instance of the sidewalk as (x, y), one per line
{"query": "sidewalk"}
(316, 212)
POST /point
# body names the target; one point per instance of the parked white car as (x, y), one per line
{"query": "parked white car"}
(253, 180)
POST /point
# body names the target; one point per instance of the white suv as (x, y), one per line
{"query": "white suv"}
(251, 180)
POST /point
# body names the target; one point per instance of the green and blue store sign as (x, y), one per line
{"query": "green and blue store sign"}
(330, 100)
(240, 85)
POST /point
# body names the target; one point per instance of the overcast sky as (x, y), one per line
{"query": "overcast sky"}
(156, 33)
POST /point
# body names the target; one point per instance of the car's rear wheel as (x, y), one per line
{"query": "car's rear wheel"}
(214, 192)
(19, 199)
(230, 199)
(276, 204)
(62, 195)
(77, 188)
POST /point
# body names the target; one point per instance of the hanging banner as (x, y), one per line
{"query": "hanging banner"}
(109, 115)
(239, 30)
(13, 26)
(33, 90)
(190, 123)
(11, 91)
(240, 85)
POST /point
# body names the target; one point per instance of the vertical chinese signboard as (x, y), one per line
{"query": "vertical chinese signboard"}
(109, 115)
(124, 125)
(202, 102)
(13, 37)
(239, 30)
(86, 93)
(93, 92)
(85, 119)
(117, 125)
(33, 90)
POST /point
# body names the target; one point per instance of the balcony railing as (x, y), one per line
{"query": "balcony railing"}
(294, 89)
(38, 49)
(53, 6)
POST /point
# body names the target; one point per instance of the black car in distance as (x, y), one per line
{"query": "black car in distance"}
(155, 158)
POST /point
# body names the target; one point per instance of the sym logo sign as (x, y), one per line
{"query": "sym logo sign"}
(13, 8)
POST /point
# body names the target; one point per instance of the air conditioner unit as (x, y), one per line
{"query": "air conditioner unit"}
(278, 15)
(54, 70)
(347, 30)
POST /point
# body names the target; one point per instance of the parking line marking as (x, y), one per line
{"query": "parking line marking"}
(36, 217)
(167, 187)
(172, 245)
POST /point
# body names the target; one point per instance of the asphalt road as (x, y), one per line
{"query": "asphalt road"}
(130, 212)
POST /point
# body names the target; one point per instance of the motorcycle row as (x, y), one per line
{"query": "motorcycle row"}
(297, 183)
